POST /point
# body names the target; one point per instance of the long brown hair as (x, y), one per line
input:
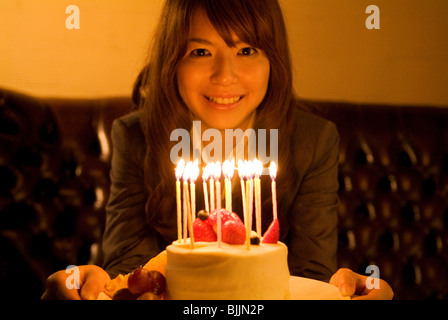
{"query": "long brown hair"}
(259, 23)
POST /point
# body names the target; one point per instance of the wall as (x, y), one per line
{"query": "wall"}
(335, 56)
(39, 55)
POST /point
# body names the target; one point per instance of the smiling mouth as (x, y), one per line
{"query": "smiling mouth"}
(224, 101)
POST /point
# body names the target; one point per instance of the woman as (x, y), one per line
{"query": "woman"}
(226, 64)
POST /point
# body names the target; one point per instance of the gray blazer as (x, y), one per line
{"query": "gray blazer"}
(307, 214)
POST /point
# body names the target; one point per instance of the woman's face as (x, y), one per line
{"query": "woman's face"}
(222, 86)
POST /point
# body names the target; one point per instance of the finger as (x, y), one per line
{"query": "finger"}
(56, 288)
(346, 281)
(94, 280)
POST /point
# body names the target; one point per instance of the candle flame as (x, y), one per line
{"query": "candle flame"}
(216, 173)
(194, 171)
(273, 170)
(258, 168)
(180, 169)
(250, 171)
(208, 171)
(205, 173)
(187, 171)
(228, 169)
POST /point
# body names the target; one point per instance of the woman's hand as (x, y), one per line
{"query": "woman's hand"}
(91, 282)
(353, 285)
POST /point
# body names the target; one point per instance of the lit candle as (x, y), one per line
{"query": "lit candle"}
(227, 170)
(193, 176)
(258, 166)
(273, 173)
(242, 175)
(242, 170)
(186, 201)
(179, 172)
(250, 190)
(205, 175)
(210, 167)
(217, 176)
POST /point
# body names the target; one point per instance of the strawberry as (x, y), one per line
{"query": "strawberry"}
(203, 231)
(226, 215)
(233, 232)
(273, 233)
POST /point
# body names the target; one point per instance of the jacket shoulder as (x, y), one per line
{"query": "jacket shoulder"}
(127, 135)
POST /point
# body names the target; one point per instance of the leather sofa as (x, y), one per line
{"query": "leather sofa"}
(54, 184)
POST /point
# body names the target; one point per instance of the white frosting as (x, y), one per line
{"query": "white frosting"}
(229, 272)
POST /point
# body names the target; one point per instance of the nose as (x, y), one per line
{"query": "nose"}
(224, 70)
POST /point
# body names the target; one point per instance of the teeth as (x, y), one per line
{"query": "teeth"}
(224, 100)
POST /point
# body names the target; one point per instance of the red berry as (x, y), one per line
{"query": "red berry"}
(159, 282)
(124, 294)
(142, 280)
(203, 231)
(233, 232)
(272, 235)
(226, 215)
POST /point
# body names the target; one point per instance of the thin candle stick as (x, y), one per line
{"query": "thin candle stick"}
(257, 181)
(204, 186)
(241, 173)
(193, 176)
(190, 221)
(179, 171)
(185, 211)
(212, 194)
(273, 173)
(217, 174)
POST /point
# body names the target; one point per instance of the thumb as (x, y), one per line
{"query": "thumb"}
(347, 289)
(345, 281)
(94, 280)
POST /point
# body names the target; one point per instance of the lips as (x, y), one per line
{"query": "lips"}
(224, 101)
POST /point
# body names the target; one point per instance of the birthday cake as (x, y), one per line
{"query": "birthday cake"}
(219, 261)
(229, 272)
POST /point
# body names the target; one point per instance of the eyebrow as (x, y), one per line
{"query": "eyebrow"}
(200, 40)
(208, 42)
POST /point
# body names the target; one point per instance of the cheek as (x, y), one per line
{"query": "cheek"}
(260, 79)
(182, 82)
(189, 81)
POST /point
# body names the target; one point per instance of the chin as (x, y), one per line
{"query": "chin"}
(229, 121)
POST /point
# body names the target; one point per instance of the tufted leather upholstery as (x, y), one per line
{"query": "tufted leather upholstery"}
(54, 182)
(393, 209)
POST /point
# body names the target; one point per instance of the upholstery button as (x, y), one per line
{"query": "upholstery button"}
(388, 184)
(389, 241)
(347, 239)
(433, 243)
(406, 156)
(410, 213)
(365, 212)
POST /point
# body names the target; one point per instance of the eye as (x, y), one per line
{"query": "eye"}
(247, 51)
(200, 52)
